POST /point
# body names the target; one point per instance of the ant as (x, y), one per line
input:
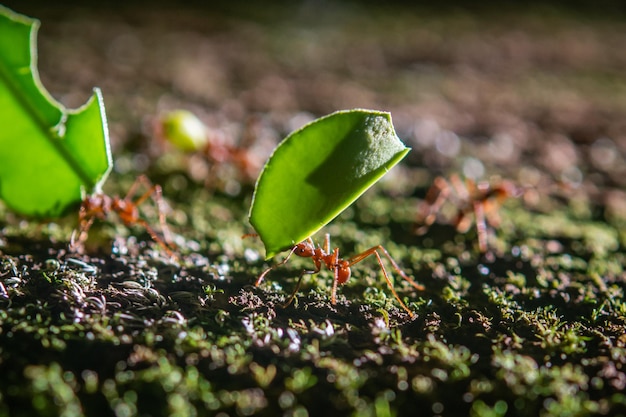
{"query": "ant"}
(219, 153)
(99, 205)
(340, 267)
(482, 199)
(188, 133)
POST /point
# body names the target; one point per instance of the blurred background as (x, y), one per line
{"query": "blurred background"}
(535, 93)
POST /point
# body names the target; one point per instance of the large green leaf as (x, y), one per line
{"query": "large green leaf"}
(318, 171)
(49, 155)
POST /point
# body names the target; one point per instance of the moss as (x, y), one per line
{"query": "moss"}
(534, 327)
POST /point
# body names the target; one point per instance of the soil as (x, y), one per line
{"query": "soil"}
(535, 326)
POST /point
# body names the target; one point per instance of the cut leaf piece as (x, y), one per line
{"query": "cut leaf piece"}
(184, 130)
(318, 171)
(49, 155)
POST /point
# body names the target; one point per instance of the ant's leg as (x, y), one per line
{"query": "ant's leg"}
(141, 180)
(374, 251)
(358, 258)
(492, 214)
(481, 226)
(157, 196)
(154, 191)
(327, 243)
(264, 273)
(162, 243)
(85, 225)
(464, 189)
(436, 196)
(295, 291)
(333, 293)
(497, 196)
(245, 163)
(463, 221)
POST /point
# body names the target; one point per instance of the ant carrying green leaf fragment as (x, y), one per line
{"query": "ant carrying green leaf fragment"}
(312, 176)
(318, 171)
(53, 158)
(100, 205)
(50, 155)
(188, 133)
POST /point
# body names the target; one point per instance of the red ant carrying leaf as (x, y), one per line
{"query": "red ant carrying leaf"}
(99, 205)
(188, 133)
(476, 203)
(340, 267)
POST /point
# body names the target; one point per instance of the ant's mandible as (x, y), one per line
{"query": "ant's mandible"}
(482, 200)
(340, 267)
(99, 205)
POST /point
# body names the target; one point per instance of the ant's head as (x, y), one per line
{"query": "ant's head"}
(508, 189)
(97, 202)
(119, 204)
(304, 249)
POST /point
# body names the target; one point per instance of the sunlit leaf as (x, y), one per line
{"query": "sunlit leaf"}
(318, 171)
(184, 130)
(49, 155)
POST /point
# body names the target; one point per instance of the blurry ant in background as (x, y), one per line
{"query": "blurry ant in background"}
(340, 267)
(187, 132)
(99, 205)
(476, 203)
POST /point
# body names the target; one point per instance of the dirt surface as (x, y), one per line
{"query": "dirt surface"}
(535, 326)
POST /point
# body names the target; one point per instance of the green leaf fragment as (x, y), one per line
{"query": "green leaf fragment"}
(49, 155)
(184, 130)
(318, 171)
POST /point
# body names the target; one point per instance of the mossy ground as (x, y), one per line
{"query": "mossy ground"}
(535, 327)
